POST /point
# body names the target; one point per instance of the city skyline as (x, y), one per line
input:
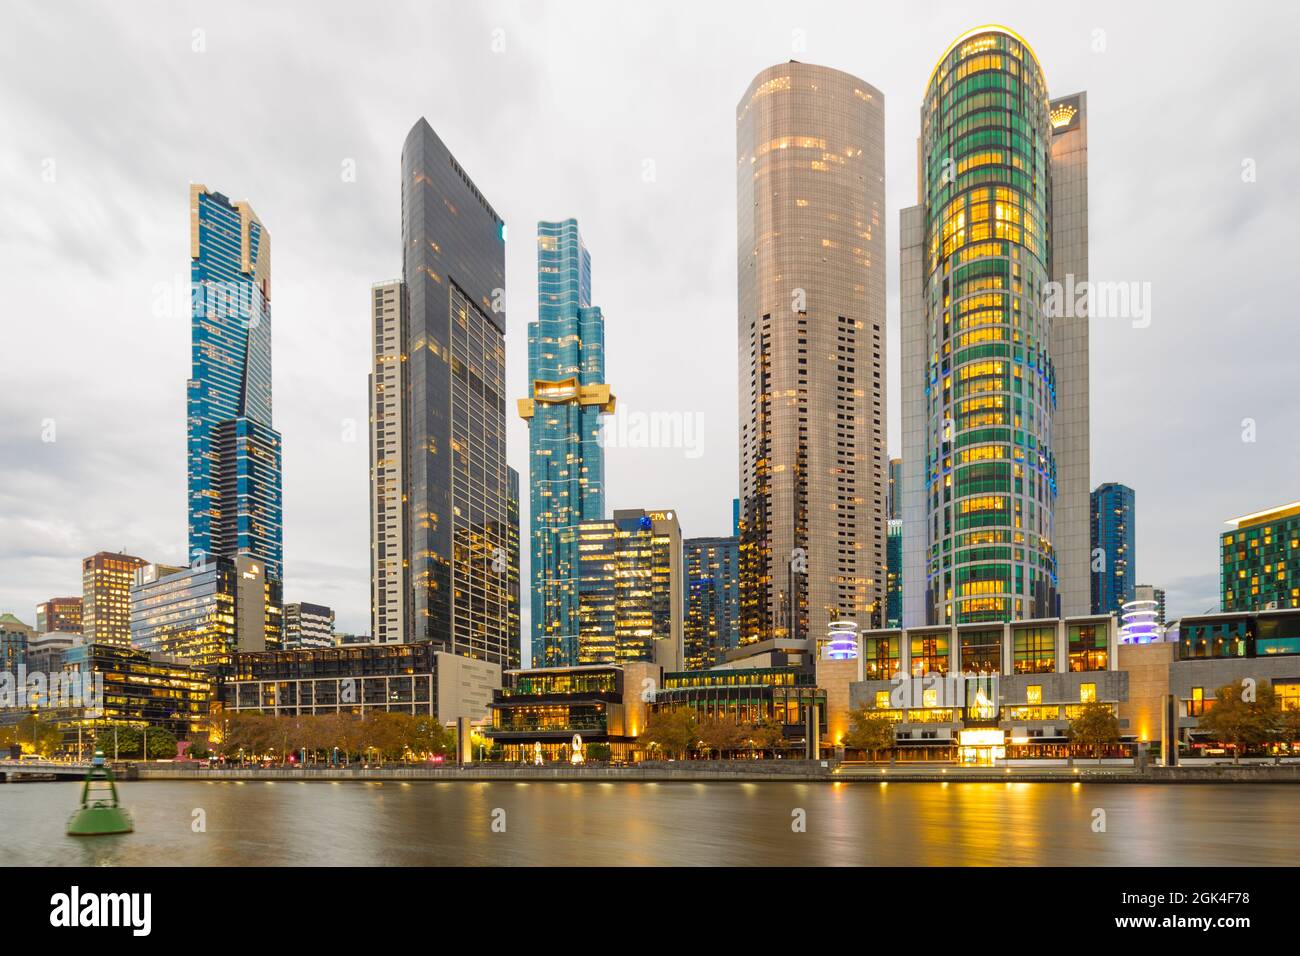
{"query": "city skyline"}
(104, 482)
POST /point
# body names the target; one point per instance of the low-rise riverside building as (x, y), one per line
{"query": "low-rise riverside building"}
(750, 695)
(538, 712)
(358, 679)
(1228, 648)
(99, 686)
(977, 693)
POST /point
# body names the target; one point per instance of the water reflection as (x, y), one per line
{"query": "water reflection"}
(641, 824)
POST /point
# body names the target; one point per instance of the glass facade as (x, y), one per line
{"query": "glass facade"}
(894, 580)
(1033, 650)
(989, 478)
(204, 613)
(712, 620)
(1113, 541)
(1239, 635)
(398, 678)
(454, 443)
(139, 691)
(746, 695)
(630, 589)
(981, 650)
(1260, 566)
(235, 497)
(567, 394)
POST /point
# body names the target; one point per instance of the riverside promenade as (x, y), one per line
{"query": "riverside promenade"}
(750, 771)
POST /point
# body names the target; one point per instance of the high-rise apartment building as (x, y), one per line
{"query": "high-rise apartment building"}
(1260, 569)
(106, 580)
(711, 624)
(390, 580)
(1149, 592)
(451, 453)
(995, 386)
(630, 589)
(235, 499)
(894, 584)
(61, 614)
(1113, 546)
(810, 261)
(308, 625)
(892, 509)
(566, 395)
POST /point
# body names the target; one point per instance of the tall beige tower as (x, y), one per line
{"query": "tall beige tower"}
(810, 177)
(390, 612)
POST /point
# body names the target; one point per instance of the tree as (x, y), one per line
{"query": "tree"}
(869, 731)
(162, 743)
(1288, 726)
(767, 734)
(1095, 726)
(671, 731)
(429, 737)
(1242, 719)
(33, 735)
(719, 734)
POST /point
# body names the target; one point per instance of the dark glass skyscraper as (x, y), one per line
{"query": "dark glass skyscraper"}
(235, 505)
(566, 395)
(1112, 547)
(453, 452)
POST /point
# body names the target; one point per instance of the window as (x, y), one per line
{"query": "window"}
(929, 654)
(880, 657)
(1288, 696)
(1033, 650)
(1087, 647)
(981, 651)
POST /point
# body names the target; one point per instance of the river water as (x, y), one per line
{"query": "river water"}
(291, 823)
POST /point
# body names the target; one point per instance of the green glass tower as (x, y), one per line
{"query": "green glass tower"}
(983, 358)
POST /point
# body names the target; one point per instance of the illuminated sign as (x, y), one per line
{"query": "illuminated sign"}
(983, 737)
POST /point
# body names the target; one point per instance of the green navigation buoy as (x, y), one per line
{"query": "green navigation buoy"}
(99, 813)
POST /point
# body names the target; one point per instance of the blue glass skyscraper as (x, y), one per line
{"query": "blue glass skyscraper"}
(235, 505)
(1113, 551)
(567, 394)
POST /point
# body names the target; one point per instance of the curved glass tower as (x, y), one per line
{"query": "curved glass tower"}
(810, 199)
(989, 482)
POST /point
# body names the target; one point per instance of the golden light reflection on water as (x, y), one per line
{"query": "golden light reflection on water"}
(725, 824)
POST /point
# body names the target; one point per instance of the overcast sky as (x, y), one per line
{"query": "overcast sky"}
(622, 115)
